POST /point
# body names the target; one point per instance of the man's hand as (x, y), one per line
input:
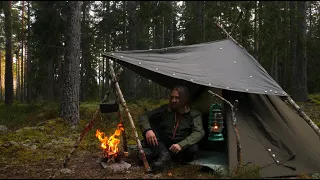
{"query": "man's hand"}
(175, 148)
(151, 138)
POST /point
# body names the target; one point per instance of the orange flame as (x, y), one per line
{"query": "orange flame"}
(110, 145)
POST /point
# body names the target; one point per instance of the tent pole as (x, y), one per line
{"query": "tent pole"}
(123, 103)
(302, 114)
(234, 123)
(229, 36)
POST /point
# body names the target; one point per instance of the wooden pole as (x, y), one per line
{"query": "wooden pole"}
(302, 114)
(124, 135)
(234, 123)
(123, 103)
(228, 35)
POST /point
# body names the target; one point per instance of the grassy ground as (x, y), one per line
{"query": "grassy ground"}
(312, 108)
(38, 142)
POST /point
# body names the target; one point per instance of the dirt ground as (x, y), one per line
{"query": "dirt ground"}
(85, 165)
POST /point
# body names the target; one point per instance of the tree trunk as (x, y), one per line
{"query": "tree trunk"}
(301, 94)
(102, 76)
(309, 40)
(204, 22)
(50, 81)
(199, 21)
(132, 24)
(172, 23)
(105, 7)
(293, 34)
(276, 67)
(259, 57)
(160, 88)
(17, 76)
(106, 49)
(244, 33)
(124, 47)
(285, 74)
(82, 60)
(255, 43)
(130, 76)
(275, 56)
(162, 39)
(0, 74)
(22, 50)
(29, 94)
(8, 68)
(70, 97)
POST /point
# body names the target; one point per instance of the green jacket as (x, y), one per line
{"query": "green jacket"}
(189, 131)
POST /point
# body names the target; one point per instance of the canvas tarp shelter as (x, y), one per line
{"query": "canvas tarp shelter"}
(272, 135)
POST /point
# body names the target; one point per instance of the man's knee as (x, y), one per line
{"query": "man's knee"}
(189, 154)
(193, 149)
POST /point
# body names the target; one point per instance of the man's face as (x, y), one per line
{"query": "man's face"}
(175, 100)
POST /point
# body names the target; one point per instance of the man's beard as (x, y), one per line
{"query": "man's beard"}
(176, 107)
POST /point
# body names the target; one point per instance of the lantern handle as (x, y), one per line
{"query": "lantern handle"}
(235, 105)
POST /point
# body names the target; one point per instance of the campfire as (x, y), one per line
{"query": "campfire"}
(110, 145)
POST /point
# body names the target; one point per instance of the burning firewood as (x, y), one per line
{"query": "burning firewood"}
(111, 154)
(110, 144)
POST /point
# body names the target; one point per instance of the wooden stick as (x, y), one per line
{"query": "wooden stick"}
(228, 35)
(234, 123)
(124, 135)
(123, 103)
(80, 137)
(302, 114)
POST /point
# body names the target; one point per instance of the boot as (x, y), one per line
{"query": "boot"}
(163, 161)
(151, 157)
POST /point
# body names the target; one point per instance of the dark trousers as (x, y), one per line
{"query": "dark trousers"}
(165, 142)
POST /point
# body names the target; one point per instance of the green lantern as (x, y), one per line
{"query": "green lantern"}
(215, 123)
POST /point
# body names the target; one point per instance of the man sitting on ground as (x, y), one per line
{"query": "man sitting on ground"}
(173, 130)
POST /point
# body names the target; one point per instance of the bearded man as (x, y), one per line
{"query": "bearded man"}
(173, 130)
